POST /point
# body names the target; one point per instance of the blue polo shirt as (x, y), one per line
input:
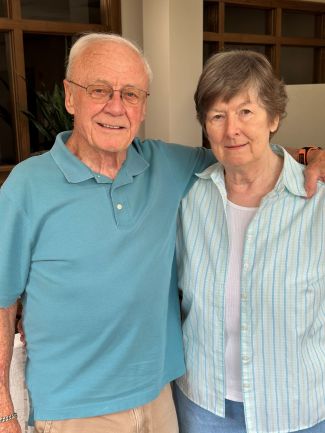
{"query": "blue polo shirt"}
(93, 260)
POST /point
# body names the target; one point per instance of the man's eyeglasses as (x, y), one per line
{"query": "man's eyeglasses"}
(102, 93)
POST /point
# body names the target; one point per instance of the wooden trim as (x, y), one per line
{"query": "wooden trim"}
(240, 38)
(48, 27)
(275, 54)
(18, 84)
(111, 15)
(221, 24)
(14, 9)
(221, 17)
(271, 4)
(4, 172)
(114, 16)
(243, 38)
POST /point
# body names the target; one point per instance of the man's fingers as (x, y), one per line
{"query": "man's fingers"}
(311, 178)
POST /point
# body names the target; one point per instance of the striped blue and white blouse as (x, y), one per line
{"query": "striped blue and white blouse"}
(282, 301)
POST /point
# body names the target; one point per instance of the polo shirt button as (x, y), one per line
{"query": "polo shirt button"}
(119, 206)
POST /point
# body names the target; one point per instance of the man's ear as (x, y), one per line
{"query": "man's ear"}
(144, 111)
(69, 102)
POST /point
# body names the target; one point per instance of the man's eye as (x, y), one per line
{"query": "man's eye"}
(99, 91)
(130, 94)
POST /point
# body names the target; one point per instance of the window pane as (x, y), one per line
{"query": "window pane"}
(81, 11)
(7, 149)
(246, 20)
(3, 8)
(209, 48)
(297, 65)
(300, 25)
(210, 17)
(45, 66)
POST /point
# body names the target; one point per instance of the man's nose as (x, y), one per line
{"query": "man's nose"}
(115, 104)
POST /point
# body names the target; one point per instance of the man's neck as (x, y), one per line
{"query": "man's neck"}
(99, 161)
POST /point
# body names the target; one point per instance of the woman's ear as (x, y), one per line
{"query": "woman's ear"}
(274, 124)
(69, 102)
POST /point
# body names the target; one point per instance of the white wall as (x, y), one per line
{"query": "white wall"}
(305, 122)
(132, 20)
(172, 42)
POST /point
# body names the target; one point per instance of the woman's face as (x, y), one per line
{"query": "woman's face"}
(239, 130)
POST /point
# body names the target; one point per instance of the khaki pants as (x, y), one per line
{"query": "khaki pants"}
(158, 416)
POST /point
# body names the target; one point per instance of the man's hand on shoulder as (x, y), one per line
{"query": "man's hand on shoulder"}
(315, 170)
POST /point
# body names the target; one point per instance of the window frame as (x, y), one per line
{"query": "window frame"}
(14, 27)
(274, 40)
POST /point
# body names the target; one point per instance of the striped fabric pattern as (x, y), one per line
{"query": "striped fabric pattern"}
(282, 301)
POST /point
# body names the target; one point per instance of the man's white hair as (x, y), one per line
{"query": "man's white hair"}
(88, 39)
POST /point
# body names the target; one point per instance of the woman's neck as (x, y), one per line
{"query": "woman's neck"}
(246, 186)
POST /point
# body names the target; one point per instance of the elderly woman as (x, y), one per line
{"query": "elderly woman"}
(251, 257)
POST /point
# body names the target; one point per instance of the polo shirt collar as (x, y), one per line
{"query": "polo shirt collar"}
(76, 171)
(291, 177)
(134, 165)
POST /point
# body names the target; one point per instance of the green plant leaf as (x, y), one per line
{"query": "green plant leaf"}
(51, 116)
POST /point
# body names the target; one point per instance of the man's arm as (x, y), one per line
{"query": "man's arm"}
(315, 169)
(7, 335)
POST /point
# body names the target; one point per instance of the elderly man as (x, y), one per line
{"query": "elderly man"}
(87, 241)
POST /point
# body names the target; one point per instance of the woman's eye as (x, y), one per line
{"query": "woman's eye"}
(218, 117)
(245, 112)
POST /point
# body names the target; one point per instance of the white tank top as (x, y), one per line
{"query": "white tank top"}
(238, 218)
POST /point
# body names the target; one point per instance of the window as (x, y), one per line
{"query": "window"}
(7, 150)
(81, 11)
(290, 33)
(35, 37)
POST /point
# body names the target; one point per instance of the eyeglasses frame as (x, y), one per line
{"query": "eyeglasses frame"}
(114, 90)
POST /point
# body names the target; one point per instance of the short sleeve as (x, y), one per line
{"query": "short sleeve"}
(15, 251)
(184, 162)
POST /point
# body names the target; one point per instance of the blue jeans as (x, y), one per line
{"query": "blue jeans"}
(194, 419)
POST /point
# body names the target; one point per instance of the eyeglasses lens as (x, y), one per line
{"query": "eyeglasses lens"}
(129, 94)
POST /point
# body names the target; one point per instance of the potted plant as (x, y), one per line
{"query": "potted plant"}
(51, 116)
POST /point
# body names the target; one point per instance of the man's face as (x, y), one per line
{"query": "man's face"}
(109, 126)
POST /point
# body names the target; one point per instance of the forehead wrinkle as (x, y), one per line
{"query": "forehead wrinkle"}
(109, 59)
(216, 108)
(250, 94)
